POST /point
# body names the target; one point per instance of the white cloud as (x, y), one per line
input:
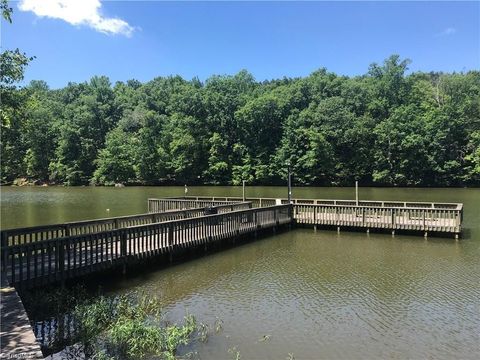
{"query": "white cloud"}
(448, 31)
(77, 12)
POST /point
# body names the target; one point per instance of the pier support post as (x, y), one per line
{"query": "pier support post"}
(275, 221)
(393, 232)
(425, 235)
(338, 229)
(170, 237)
(368, 231)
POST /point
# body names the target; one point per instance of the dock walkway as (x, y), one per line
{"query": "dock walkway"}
(52, 260)
(16, 335)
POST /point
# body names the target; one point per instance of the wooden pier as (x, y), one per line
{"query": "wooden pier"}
(420, 217)
(54, 253)
(41, 255)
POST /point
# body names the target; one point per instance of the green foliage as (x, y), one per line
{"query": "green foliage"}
(130, 327)
(6, 10)
(116, 162)
(386, 127)
(473, 159)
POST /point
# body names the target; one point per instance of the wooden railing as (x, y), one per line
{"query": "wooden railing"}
(41, 262)
(165, 204)
(46, 232)
(429, 219)
(259, 202)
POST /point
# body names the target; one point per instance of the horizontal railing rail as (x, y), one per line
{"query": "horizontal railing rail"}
(272, 201)
(165, 204)
(46, 232)
(51, 260)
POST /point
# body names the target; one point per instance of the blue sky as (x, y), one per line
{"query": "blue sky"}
(145, 39)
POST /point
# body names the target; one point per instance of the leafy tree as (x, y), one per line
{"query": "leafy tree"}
(187, 150)
(152, 165)
(218, 168)
(116, 162)
(40, 131)
(472, 159)
(12, 67)
(386, 127)
(88, 119)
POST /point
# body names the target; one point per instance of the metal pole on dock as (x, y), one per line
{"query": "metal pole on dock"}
(289, 184)
(356, 192)
(243, 190)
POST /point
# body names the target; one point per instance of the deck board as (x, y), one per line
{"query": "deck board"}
(16, 335)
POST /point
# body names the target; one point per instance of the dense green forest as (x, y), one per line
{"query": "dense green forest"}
(387, 127)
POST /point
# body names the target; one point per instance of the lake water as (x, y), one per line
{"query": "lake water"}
(310, 294)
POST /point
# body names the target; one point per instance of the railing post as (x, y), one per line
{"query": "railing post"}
(61, 258)
(4, 239)
(236, 220)
(123, 250)
(4, 246)
(209, 227)
(66, 231)
(123, 243)
(170, 235)
(424, 211)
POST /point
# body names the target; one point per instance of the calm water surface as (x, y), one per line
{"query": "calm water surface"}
(314, 294)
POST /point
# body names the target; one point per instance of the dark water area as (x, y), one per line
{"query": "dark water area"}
(347, 295)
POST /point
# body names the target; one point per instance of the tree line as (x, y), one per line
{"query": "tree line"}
(386, 127)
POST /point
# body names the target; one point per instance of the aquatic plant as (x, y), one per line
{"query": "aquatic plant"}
(130, 327)
(235, 353)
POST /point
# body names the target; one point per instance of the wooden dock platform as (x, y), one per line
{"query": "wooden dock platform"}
(17, 340)
(40, 255)
(420, 217)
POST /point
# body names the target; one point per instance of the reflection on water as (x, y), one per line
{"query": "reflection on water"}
(313, 294)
